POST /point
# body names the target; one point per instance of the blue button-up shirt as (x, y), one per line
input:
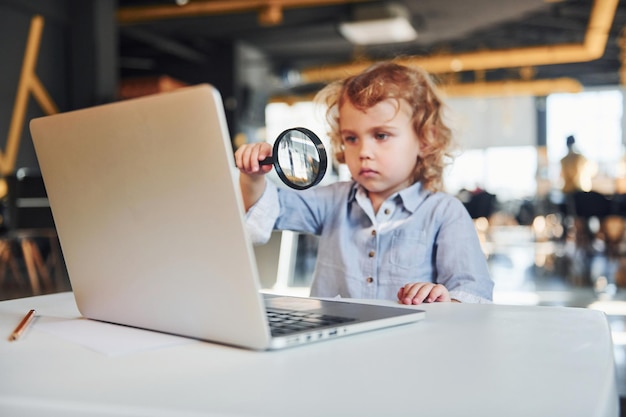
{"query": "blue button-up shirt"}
(416, 235)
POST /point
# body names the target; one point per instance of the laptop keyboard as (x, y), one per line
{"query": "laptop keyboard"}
(283, 322)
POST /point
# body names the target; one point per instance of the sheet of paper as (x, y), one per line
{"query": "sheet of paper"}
(110, 339)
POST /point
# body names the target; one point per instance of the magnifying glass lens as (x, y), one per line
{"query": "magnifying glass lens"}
(299, 158)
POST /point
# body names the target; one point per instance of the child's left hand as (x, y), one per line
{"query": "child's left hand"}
(423, 292)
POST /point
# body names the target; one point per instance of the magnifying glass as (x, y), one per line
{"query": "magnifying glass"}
(299, 158)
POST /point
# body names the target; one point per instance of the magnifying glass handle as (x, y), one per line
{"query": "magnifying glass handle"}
(267, 161)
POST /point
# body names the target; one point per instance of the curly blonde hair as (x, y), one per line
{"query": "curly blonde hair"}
(388, 80)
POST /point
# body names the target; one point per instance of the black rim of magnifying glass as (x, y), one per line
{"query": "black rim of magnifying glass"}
(321, 151)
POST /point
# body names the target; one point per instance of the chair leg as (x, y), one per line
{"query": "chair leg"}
(29, 260)
(15, 270)
(4, 259)
(7, 260)
(42, 270)
(53, 261)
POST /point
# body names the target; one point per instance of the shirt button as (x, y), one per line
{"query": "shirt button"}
(371, 254)
(374, 232)
(387, 211)
(369, 280)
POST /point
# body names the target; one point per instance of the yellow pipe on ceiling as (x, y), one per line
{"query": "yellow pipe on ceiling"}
(484, 89)
(270, 11)
(596, 35)
(513, 88)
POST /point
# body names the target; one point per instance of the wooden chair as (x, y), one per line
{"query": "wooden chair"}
(29, 231)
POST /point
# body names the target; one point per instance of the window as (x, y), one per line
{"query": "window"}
(595, 120)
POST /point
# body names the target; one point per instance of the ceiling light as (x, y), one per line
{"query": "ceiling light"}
(379, 24)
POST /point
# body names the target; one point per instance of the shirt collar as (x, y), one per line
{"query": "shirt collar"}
(353, 190)
(413, 196)
(410, 197)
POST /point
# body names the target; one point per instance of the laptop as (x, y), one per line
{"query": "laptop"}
(146, 203)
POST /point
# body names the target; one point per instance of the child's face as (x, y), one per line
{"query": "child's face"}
(380, 146)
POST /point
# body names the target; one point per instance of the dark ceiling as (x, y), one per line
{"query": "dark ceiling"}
(307, 38)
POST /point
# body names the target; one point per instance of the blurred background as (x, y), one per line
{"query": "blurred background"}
(534, 89)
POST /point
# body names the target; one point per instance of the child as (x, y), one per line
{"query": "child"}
(390, 233)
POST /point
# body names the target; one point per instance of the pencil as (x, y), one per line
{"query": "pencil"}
(28, 318)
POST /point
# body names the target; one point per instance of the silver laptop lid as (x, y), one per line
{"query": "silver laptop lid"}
(149, 218)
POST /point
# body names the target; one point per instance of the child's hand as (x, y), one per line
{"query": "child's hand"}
(247, 158)
(420, 292)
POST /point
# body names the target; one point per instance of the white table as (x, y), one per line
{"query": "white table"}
(462, 360)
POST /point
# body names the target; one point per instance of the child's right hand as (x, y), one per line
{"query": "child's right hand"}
(423, 292)
(247, 158)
